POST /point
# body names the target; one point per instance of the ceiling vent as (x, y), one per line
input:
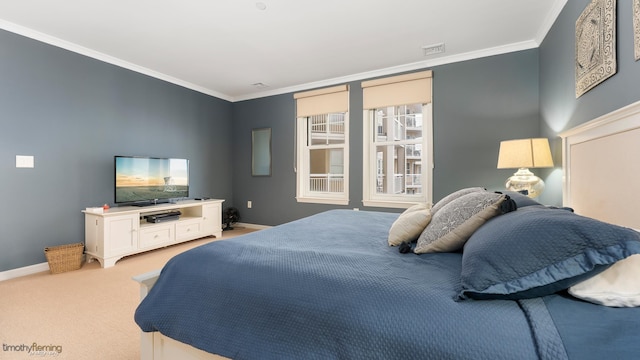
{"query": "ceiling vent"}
(260, 85)
(433, 49)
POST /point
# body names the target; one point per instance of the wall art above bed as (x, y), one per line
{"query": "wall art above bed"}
(595, 45)
(636, 28)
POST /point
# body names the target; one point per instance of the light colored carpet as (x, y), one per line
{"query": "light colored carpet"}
(81, 314)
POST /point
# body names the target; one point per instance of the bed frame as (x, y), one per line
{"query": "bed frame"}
(606, 144)
(600, 169)
(156, 346)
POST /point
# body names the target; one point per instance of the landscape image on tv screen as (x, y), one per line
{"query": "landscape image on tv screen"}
(140, 179)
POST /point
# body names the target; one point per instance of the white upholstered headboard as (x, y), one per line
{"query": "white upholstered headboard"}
(601, 165)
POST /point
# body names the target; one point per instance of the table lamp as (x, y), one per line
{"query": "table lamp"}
(523, 154)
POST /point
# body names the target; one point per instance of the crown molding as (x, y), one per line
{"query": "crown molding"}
(442, 60)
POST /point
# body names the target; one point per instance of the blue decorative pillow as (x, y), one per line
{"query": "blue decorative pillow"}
(537, 251)
(520, 199)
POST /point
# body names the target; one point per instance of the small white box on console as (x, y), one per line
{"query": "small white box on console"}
(95, 210)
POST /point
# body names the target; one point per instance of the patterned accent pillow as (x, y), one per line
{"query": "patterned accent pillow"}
(452, 225)
(409, 225)
(454, 195)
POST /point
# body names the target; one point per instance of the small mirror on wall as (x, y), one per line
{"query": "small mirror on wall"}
(261, 152)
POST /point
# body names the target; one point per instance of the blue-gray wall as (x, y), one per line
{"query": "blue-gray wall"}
(73, 114)
(476, 104)
(559, 108)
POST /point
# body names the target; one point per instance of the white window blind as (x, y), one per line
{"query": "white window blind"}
(412, 88)
(322, 101)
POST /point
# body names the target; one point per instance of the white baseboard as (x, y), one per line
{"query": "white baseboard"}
(24, 271)
(252, 226)
(34, 269)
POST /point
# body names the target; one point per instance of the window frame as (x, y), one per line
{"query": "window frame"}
(324, 101)
(303, 149)
(369, 162)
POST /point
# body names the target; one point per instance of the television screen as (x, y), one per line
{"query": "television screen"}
(147, 179)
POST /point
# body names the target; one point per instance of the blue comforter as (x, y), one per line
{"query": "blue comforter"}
(329, 287)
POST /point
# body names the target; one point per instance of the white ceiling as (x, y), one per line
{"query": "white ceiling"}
(223, 47)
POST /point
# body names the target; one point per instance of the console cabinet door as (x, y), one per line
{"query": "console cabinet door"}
(121, 234)
(211, 219)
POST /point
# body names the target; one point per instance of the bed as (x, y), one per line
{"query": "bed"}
(480, 275)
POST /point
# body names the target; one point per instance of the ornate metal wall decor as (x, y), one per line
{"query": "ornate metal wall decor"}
(595, 45)
(636, 28)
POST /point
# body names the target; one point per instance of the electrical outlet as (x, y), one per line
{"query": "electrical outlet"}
(249, 204)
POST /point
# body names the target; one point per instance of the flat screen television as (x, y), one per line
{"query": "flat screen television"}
(148, 180)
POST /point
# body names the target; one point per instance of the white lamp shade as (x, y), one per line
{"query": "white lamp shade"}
(524, 153)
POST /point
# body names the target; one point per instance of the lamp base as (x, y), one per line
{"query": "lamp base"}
(524, 179)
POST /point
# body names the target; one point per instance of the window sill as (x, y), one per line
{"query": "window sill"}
(322, 201)
(389, 204)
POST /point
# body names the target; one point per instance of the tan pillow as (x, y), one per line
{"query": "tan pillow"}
(454, 223)
(409, 225)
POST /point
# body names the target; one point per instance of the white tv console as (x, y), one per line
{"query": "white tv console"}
(123, 231)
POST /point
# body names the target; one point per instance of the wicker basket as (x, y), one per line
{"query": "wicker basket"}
(64, 257)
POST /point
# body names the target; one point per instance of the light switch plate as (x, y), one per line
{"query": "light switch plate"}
(24, 161)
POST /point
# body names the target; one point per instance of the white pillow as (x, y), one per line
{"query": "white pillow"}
(618, 286)
(409, 225)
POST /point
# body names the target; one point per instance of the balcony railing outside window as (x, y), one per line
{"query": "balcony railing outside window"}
(331, 183)
(398, 141)
(326, 129)
(414, 180)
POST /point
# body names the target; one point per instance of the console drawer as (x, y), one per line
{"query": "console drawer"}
(187, 230)
(156, 236)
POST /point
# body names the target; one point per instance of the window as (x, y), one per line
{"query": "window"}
(322, 166)
(397, 156)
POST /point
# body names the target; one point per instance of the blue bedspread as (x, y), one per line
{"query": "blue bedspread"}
(329, 287)
(595, 332)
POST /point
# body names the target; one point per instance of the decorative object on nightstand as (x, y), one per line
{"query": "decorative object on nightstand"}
(523, 154)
